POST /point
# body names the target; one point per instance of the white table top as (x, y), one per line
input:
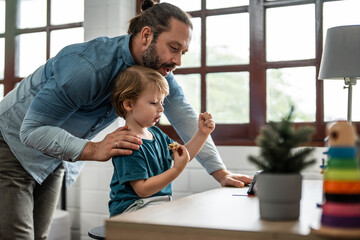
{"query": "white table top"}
(223, 213)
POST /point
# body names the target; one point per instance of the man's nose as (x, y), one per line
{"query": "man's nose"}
(177, 59)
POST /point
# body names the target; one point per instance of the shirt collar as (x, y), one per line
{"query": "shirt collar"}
(128, 59)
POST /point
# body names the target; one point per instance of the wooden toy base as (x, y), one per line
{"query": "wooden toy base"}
(343, 233)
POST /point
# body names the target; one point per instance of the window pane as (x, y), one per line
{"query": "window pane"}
(339, 13)
(190, 84)
(32, 13)
(289, 34)
(355, 102)
(2, 16)
(228, 97)
(187, 6)
(2, 57)
(224, 46)
(31, 53)
(67, 11)
(212, 4)
(62, 38)
(335, 100)
(192, 57)
(291, 86)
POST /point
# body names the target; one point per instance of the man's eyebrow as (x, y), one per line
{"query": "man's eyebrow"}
(179, 45)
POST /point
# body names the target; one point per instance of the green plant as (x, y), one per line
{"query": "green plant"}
(277, 142)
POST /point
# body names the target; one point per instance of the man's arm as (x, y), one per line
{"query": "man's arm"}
(184, 120)
(58, 101)
(55, 102)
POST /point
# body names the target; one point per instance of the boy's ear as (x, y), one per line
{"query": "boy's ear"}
(128, 105)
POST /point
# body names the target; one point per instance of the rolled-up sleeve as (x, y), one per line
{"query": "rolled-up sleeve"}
(57, 100)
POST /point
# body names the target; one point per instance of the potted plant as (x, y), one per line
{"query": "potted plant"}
(278, 186)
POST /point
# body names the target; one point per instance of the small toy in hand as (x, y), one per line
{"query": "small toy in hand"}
(174, 146)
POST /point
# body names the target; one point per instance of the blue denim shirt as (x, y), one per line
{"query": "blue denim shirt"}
(52, 114)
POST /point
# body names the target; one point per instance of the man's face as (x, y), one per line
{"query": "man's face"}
(164, 54)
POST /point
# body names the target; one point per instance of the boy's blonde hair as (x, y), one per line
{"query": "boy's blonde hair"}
(132, 82)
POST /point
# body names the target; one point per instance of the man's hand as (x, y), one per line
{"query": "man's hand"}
(120, 142)
(228, 179)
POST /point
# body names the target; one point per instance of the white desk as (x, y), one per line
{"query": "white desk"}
(223, 213)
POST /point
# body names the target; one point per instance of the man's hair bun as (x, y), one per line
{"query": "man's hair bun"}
(147, 4)
(157, 16)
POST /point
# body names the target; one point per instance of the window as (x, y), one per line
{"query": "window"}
(249, 61)
(32, 31)
(336, 14)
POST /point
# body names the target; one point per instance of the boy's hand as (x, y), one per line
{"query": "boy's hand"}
(181, 158)
(206, 123)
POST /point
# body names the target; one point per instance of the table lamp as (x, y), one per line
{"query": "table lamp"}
(341, 58)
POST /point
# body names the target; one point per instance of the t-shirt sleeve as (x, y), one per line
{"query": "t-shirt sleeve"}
(130, 168)
(164, 138)
(168, 139)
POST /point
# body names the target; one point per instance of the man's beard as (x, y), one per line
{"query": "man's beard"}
(150, 57)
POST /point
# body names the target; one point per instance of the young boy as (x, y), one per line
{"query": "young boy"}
(144, 178)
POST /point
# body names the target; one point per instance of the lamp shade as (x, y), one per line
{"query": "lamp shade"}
(341, 55)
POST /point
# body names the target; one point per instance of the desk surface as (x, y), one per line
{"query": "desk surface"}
(223, 213)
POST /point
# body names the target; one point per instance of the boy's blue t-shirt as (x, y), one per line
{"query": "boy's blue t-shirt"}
(153, 158)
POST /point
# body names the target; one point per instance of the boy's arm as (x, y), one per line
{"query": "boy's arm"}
(148, 187)
(206, 125)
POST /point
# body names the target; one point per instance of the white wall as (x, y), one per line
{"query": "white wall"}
(88, 197)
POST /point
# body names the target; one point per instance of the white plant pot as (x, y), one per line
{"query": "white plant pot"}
(279, 196)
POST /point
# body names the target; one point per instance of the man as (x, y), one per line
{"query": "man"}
(47, 121)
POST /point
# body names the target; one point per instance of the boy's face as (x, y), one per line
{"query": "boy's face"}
(165, 54)
(147, 109)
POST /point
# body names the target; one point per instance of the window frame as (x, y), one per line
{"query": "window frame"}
(245, 134)
(224, 134)
(11, 31)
